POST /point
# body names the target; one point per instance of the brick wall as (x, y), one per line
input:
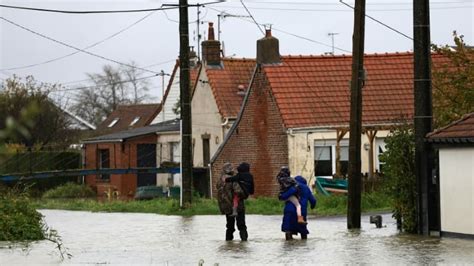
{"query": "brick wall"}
(122, 155)
(259, 139)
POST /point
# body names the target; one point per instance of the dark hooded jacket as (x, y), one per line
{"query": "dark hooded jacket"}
(290, 220)
(244, 178)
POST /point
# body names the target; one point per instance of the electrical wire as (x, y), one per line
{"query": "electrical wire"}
(75, 48)
(289, 33)
(109, 84)
(380, 22)
(86, 48)
(87, 11)
(250, 14)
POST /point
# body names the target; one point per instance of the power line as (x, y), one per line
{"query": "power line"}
(250, 14)
(380, 22)
(87, 11)
(86, 48)
(373, 4)
(292, 34)
(341, 10)
(75, 48)
(108, 84)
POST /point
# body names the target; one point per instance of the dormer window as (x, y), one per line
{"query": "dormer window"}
(113, 122)
(135, 120)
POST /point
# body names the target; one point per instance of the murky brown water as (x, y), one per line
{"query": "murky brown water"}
(149, 239)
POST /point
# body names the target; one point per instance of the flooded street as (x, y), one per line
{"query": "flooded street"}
(150, 239)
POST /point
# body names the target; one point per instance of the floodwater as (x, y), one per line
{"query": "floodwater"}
(151, 239)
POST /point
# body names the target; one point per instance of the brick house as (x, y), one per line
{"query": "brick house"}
(138, 147)
(455, 146)
(217, 97)
(296, 113)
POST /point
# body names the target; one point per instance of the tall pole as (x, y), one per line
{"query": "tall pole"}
(198, 31)
(355, 183)
(162, 73)
(423, 108)
(186, 147)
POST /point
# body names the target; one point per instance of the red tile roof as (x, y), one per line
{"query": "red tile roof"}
(225, 82)
(314, 91)
(126, 114)
(458, 131)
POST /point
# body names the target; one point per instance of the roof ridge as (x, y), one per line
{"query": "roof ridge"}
(345, 55)
(456, 122)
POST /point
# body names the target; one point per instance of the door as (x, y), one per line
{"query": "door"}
(146, 157)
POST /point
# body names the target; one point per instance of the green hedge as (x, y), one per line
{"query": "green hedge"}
(69, 191)
(40, 161)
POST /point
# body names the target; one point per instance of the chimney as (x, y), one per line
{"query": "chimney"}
(268, 51)
(193, 59)
(211, 49)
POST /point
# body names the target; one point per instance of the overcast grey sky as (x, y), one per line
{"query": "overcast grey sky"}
(151, 38)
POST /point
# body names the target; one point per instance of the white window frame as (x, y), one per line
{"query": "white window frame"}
(332, 144)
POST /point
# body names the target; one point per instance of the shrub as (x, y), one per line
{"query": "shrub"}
(19, 220)
(70, 190)
(400, 171)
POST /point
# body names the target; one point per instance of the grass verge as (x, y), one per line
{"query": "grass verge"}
(327, 205)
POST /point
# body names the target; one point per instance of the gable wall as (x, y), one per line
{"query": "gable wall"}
(206, 120)
(259, 139)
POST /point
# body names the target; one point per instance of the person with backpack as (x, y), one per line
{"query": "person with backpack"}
(244, 180)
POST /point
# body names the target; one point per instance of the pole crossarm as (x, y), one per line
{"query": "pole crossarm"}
(82, 172)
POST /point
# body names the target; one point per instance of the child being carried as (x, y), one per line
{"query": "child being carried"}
(286, 182)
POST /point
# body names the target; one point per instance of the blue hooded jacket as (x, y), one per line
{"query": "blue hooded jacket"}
(290, 222)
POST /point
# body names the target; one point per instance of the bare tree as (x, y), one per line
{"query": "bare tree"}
(112, 87)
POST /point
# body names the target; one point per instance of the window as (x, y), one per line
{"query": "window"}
(325, 157)
(104, 162)
(113, 122)
(379, 150)
(135, 120)
(175, 154)
(323, 160)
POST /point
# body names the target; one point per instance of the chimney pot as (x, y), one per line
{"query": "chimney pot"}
(210, 35)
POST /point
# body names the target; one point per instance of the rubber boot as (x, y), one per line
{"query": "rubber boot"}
(229, 236)
(288, 236)
(301, 220)
(243, 235)
(304, 236)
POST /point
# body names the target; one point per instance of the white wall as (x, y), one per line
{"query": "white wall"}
(171, 100)
(163, 154)
(457, 189)
(301, 149)
(206, 120)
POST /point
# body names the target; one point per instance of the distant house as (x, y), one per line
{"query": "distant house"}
(455, 145)
(296, 113)
(127, 117)
(217, 97)
(139, 147)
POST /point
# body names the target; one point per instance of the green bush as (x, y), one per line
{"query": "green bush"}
(400, 171)
(19, 220)
(69, 190)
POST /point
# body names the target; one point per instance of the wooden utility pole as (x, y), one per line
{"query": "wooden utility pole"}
(186, 129)
(355, 182)
(423, 108)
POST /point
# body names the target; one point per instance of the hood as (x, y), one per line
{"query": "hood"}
(227, 168)
(243, 168)
(301, 180)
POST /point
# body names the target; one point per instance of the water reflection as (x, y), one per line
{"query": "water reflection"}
(149, 239)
